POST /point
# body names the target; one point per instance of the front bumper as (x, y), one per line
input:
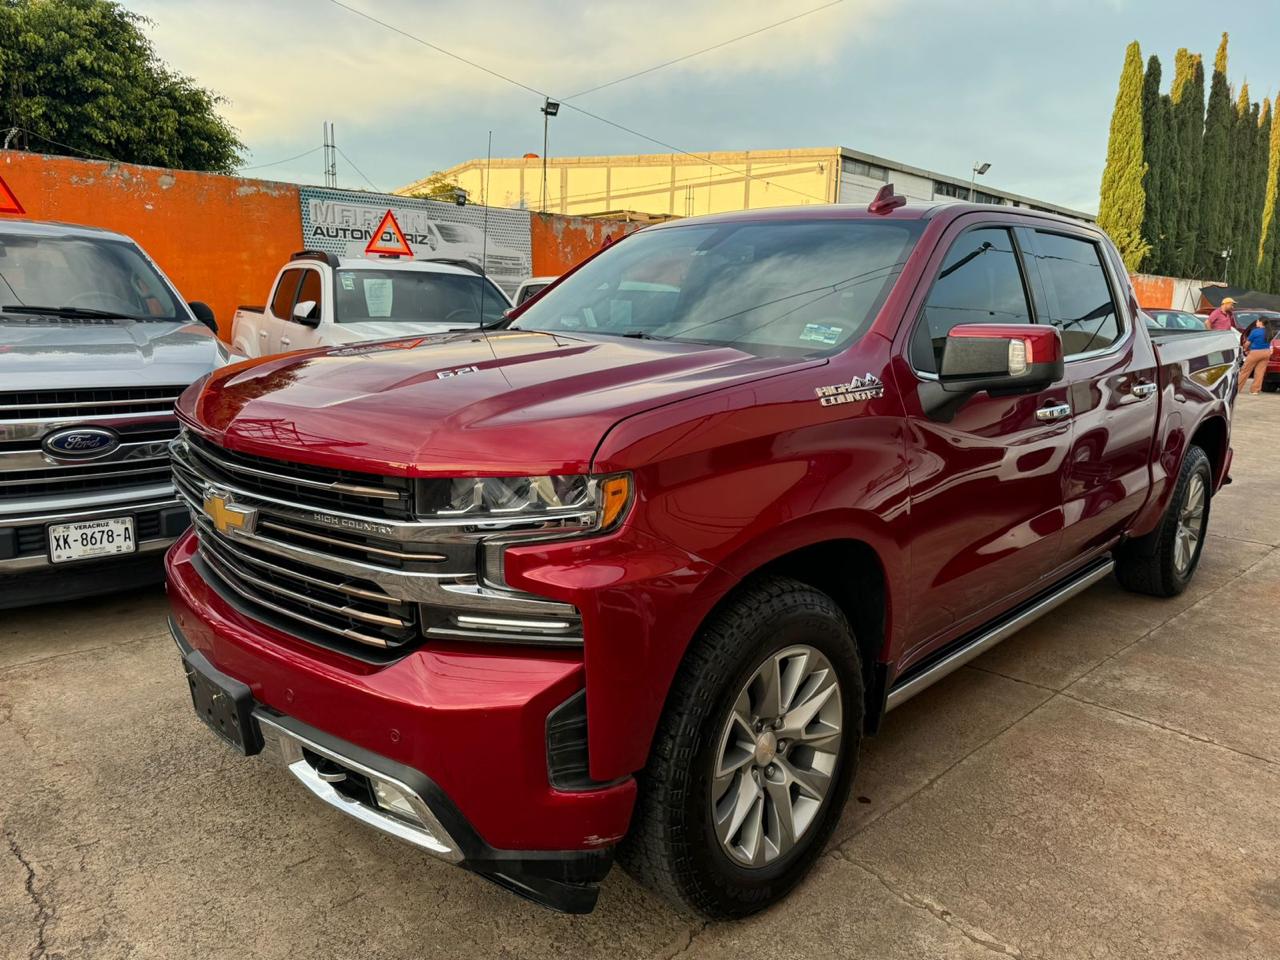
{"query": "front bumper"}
(459, 728)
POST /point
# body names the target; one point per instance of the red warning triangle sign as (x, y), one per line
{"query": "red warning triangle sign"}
(9, 202)
(389, 238)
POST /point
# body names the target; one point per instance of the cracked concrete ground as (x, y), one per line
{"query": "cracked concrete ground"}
(1104, 784)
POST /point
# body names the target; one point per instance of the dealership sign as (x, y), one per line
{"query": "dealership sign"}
(354, 224)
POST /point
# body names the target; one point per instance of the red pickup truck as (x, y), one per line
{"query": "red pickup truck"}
(636, 575)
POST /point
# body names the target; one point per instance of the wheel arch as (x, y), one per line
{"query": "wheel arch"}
(1211, 436)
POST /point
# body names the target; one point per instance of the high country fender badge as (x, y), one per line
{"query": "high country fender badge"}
(859, 388)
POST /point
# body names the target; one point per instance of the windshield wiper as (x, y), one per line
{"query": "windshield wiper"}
(72, 312)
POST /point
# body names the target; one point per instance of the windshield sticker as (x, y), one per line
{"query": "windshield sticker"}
(824, 333)
(859, 388)
(348, 282)
(377, 296)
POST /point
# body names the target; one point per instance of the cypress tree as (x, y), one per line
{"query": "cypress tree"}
(1239, 189)
(1269, 245)
(1155, 153)
(1187, 98)
(1122, 202)
(1216, 173)
(1258, 194)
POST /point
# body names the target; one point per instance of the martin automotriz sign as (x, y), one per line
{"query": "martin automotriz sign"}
(344, 222)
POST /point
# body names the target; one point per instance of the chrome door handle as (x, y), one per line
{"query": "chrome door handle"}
(262, 334)
(1143, 390)
(1057, 411)
(285, 341)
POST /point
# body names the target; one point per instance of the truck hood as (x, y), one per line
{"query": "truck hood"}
(50, 352)
(514, 402)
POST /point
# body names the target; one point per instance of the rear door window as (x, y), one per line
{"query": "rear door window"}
(980, 282)
(1078, 293)
(283, 299)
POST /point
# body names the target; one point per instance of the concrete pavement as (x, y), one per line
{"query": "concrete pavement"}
(1104, 784)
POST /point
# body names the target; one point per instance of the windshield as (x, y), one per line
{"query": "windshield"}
(770, 288)
(79, 274)
(417, 296)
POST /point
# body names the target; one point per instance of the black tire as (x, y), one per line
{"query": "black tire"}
(672, 846)
(1148, 564)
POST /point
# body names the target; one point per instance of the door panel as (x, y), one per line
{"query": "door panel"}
(987, 482)
(1111, 369)
(293, 335)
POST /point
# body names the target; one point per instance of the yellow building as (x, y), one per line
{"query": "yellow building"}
(680, 185)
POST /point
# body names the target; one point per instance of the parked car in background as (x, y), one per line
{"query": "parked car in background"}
(1165, 319)
(530, 288)
(506, 266)
(637, 574)
(95, 346)
(321, 300)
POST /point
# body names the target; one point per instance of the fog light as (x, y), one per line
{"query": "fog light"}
(394, 801)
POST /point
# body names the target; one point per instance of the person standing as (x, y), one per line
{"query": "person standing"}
(1224, 318)
(1258, 345)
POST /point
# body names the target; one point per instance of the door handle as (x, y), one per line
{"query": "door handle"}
(285, 341)
(262, 334)
(1055, 411)
(1143, 390)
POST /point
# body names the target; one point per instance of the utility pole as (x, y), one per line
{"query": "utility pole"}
(330, 156)
(549, 109)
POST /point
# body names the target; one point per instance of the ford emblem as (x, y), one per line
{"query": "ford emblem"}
(81, 442)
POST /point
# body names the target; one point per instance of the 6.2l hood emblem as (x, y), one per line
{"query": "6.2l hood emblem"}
(80, 442)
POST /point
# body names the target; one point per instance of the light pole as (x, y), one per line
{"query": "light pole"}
(978, 170)
(1226, 266)
(549, 109)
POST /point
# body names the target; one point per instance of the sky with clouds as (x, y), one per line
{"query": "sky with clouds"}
(1026, 86)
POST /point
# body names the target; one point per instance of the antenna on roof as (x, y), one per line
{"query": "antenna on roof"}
(886, 201)
(484, 241)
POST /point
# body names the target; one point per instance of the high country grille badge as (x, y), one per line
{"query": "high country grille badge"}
(859, 388)
(225, 515)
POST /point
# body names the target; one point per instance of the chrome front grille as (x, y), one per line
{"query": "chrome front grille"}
(380, 497)
(142, 418)
(315, 565)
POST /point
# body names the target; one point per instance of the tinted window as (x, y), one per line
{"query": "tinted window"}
(979, 282)
(417, 295)
(776, 288)
(1080, 303)
(282, 302)
(93, 274)
(310, 290)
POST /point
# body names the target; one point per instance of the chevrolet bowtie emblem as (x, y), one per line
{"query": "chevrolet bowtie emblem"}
(225, 515)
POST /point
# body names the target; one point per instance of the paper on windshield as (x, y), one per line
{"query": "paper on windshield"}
(377, 296)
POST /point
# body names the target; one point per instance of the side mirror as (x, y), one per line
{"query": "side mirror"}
(1013, 358)
(307, 311)
(202, 312)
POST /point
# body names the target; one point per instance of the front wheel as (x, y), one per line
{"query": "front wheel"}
(754, 755)
(1162, 563)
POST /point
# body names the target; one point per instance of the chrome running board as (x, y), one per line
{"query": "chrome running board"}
(913, 684)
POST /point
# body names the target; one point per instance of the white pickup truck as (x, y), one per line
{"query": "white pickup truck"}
(319, 300)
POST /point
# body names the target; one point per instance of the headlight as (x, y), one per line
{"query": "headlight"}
(573, 502)
(509, 511)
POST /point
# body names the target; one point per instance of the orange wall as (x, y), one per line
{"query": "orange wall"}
(219, 239)
(562, 242)
(1152, 291)
(222, 239)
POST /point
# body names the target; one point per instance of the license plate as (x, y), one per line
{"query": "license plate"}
(91, 538)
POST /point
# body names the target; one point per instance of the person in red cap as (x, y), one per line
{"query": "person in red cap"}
(1224, 318)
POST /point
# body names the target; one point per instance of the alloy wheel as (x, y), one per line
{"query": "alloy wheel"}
(1190, 525)
(777, 755)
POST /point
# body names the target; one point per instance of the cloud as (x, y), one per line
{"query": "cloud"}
(286, 67)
